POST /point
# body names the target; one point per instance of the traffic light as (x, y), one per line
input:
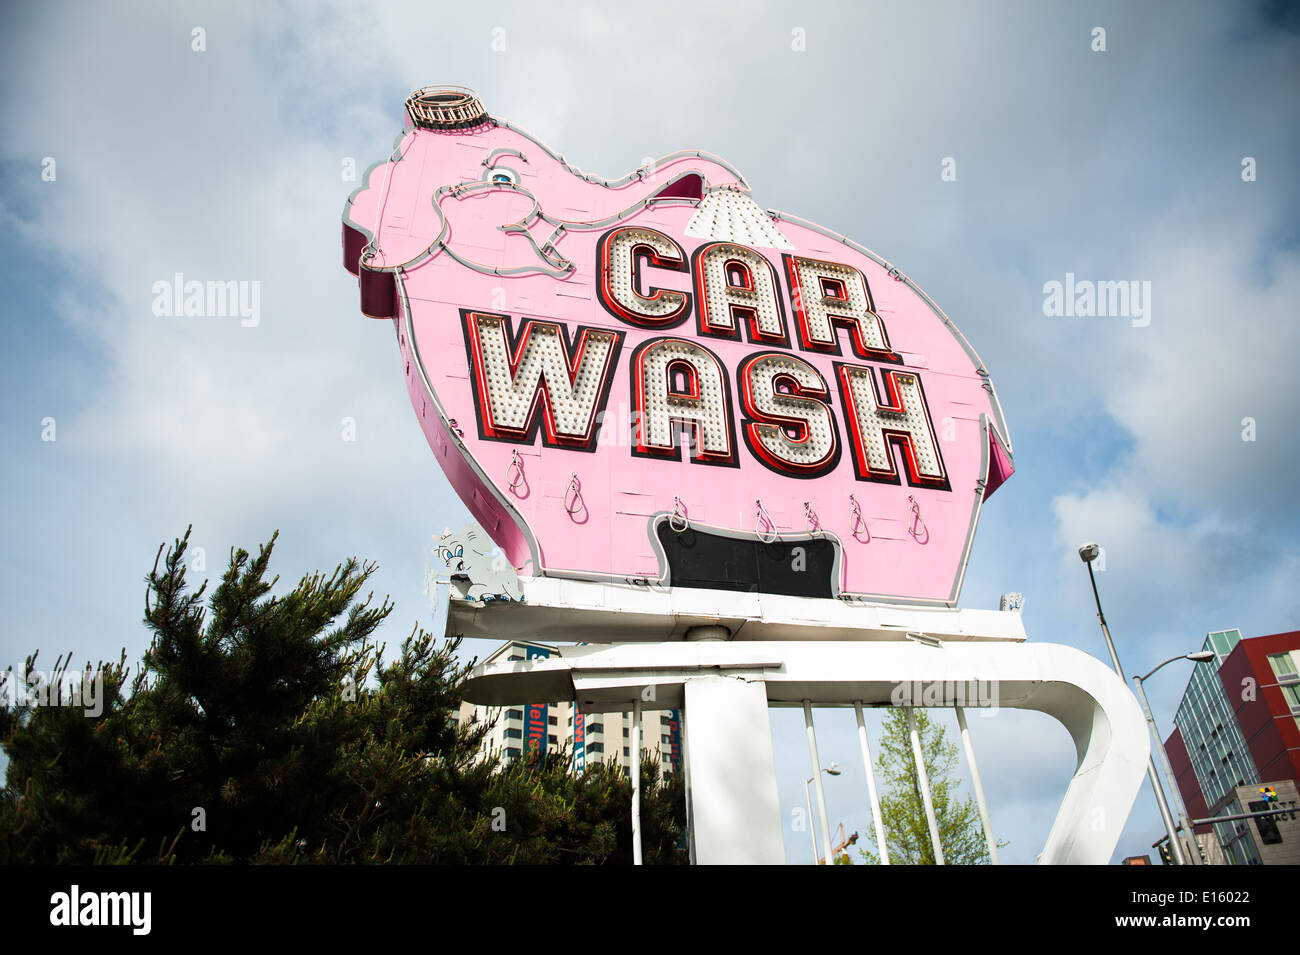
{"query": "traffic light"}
(1166, 853)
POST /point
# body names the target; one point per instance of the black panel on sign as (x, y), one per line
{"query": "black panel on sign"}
(799, 568)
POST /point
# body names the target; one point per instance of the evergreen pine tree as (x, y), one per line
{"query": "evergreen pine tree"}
(266, 728)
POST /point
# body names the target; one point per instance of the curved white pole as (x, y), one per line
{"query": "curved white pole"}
(636, 781)
(978, 786)
(881, 848)
(812, 827)
(817, 779)
(924, 779)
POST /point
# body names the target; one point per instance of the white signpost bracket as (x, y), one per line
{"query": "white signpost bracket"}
(726, 686)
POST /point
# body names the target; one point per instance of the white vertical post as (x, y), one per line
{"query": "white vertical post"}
(979, 786)
(735, 805)
(881, 848)
(812, 825)
(817, 778)
(636, 781)
(924, 781)
(685, 770)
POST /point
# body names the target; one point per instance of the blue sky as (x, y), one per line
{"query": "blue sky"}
(226, 164)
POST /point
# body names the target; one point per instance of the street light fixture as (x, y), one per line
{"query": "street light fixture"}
(832, 770)
(1200, 656)
(1088, 553)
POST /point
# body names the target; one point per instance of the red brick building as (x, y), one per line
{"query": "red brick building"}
(1238, 725)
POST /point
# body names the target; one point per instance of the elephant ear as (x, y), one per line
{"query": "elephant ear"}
(501, 220)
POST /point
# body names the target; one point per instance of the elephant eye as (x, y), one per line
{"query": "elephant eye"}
(502, 175)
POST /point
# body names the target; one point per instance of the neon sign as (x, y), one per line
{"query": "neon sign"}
(614, 372)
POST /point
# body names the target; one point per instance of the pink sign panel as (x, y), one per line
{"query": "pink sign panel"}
(653, 380)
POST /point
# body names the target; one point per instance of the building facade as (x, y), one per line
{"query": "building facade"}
(1238, 730)
(561, 728)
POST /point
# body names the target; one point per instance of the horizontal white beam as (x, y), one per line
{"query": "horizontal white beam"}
(580, 611)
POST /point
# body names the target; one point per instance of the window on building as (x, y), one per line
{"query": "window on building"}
(553, 720)
(514, 734)
(595, 727)
(514, 714)
(626, 732)
(515, 656)
(626, 751)
(513, 752)
(667, 740)
(1283, 665)
(595, 747)
(552, 740)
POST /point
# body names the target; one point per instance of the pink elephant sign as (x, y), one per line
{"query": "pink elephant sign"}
(652, 380)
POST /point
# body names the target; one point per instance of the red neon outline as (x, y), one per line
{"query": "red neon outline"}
(742, 316)
(842, 292)
(542, 392)
(692, 380)
(893, 437)
(859, 347)
(673, 450)
(678, 264)
(765, 419)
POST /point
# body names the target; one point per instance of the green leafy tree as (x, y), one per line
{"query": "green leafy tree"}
(266, 728)
(902, 809)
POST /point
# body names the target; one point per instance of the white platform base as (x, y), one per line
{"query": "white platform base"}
(728, 745)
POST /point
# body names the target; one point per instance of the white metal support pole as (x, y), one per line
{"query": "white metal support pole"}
(812, 824)
(881, 848)
(924, 781)
(817, 779)
(1178, 806)
(636, 781)
(1175, 844)
(979, 787)
(685, 770)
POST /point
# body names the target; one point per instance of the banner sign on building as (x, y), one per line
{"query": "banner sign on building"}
(579, 741)
(675, 739)
(536, 723)
(652, 380)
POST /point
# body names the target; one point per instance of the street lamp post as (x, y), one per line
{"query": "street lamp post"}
(833, 770)
(1088, 553)
(1201, 656)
